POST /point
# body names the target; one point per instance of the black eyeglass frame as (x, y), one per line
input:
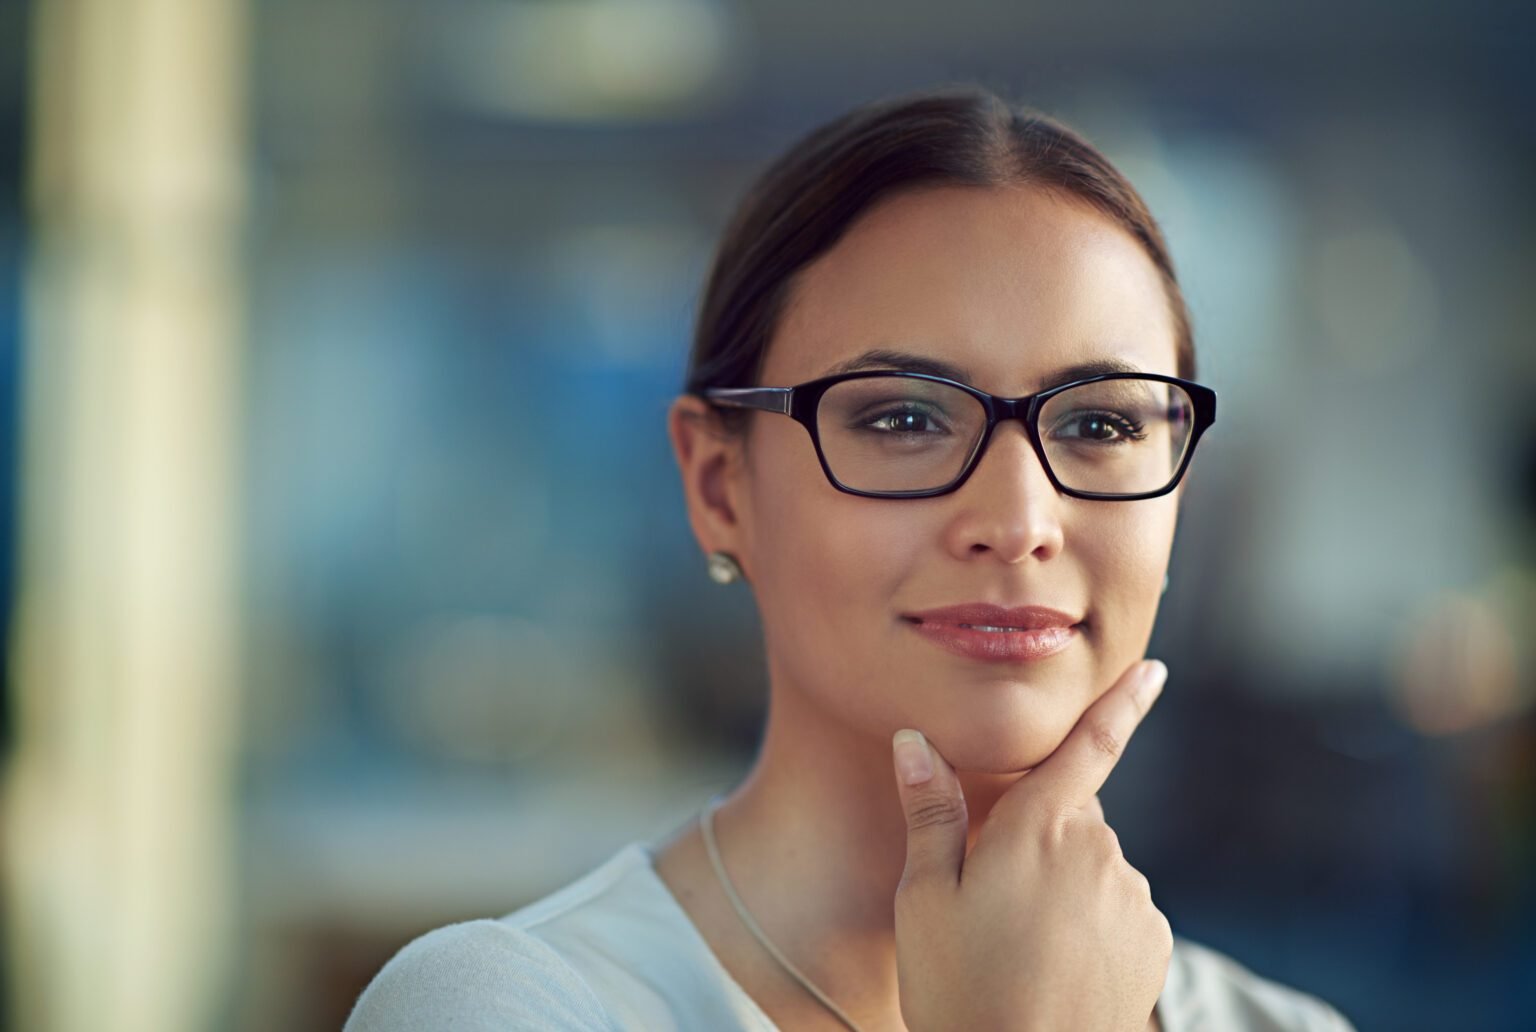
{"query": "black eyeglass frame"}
(801, 401)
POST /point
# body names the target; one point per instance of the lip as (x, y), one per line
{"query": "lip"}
(1044, 631)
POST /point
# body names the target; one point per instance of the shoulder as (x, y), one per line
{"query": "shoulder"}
(1207, 989)
(474, 976)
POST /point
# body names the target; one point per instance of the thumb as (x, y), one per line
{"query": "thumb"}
(935, 810)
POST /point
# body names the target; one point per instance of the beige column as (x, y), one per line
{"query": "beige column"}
(116, 821)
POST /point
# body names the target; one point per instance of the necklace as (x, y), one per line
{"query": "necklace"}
(707, 825)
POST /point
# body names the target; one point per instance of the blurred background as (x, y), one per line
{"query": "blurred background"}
(345, 578)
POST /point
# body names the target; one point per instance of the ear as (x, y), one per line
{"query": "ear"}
(711, 461)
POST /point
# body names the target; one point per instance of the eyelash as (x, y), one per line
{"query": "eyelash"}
(1129, 430)
(871, 424)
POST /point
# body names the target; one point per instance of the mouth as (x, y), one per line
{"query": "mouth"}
(983, 627)
(985, 616)
(997, 634)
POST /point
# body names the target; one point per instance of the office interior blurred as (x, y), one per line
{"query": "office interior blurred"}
(346, 583)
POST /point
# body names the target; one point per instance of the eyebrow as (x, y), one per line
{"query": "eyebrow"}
(906, 361)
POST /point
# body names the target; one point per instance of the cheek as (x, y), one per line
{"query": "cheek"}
(837, 562)
(1125, 556)
(830, 564)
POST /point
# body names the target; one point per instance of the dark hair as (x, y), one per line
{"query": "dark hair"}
(811, 195)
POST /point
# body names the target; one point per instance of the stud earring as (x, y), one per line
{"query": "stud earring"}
(723, 567)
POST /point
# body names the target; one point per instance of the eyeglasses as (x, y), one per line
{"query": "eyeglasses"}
(890, 434)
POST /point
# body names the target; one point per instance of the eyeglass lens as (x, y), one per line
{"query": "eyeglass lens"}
(1121, 436)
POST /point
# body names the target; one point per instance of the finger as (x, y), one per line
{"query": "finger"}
(935, 810)
(1081, 764)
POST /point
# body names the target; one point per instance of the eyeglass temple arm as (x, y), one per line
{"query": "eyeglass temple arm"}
(770, 399)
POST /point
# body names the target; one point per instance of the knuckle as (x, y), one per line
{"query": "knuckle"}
(1104, 740)
(935, 811)
(1060, 820)
(1061, 812)
(1134, 884)
(1106, 837)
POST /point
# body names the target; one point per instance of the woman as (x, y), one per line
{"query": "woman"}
(958, 567)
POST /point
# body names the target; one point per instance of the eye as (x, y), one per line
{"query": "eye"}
(906, 421)
(1100, 428)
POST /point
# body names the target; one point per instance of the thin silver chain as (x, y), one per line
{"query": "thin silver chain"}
(707, 825)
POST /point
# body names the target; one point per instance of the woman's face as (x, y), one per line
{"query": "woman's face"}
(1010, 285)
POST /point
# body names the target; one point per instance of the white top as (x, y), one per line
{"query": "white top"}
(614, 950)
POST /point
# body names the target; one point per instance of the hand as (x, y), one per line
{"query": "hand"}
(1044, 925)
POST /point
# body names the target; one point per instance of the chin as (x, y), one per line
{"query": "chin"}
(990, 753)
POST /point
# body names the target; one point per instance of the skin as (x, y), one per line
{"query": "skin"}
(1011, 284)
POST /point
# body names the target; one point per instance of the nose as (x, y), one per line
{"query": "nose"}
(1008, 508)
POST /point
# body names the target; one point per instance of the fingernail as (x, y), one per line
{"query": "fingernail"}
(1153, 677)
(913, 763)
